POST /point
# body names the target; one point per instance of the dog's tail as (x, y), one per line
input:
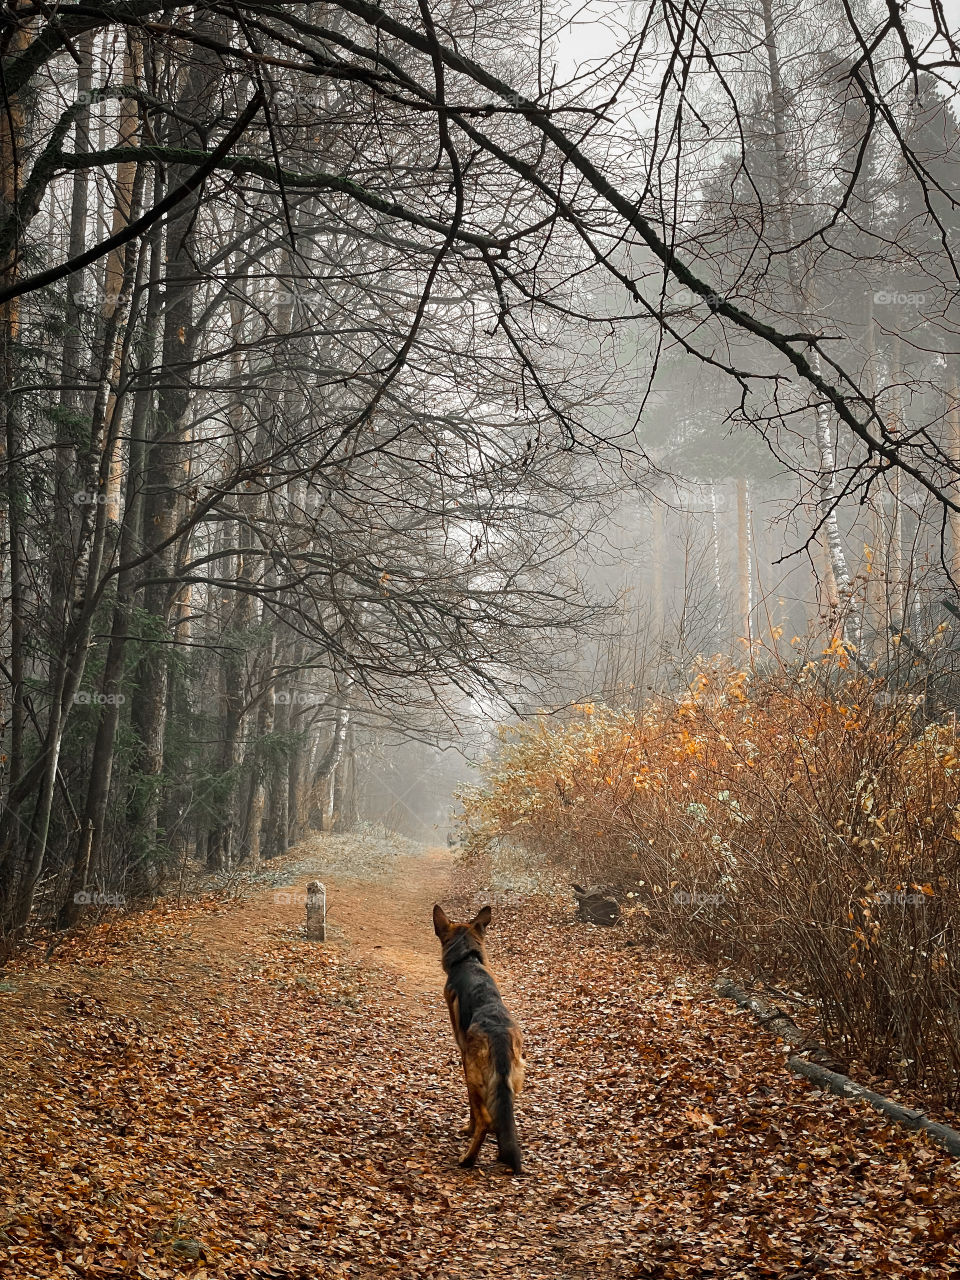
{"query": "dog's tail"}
(503, 1085)
(508, 1144)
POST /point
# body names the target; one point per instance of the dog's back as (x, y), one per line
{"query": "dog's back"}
(489, 1040)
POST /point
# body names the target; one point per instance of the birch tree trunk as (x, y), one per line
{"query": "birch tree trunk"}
(952, 388)
(875, 594)
(65, 534)
(68, 661)
(659, 611)
(894, 521)
(122, 213)
(744, 560)
(715, 562)
(838, 586)
(90, 846)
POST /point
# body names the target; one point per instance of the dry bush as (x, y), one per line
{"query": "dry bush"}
(798, 825)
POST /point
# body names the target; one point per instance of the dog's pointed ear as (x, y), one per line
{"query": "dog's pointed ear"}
(482, 918)
(441, 925)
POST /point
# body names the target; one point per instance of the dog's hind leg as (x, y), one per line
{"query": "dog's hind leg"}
(476, 1142)
(468, 1128)
(480, 1127)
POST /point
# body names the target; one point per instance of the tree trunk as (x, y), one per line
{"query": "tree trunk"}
(164, 475)
(65, 543)
(278, 788)
(255, 793)
(659, 611)
(13, 41)
(952, 388)
(324, 782)
(123, 211)
(894, 521)
(837, 579)
(67, 664)
(744, 560)
(347, 799)
(716, 564)
(111, 685)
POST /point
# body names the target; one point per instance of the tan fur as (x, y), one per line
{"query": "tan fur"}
(477, 1052)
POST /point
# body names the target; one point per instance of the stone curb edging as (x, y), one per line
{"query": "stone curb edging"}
(836, 1081)
(942, 1134)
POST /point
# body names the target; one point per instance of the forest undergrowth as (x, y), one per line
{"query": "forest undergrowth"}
(802, 827)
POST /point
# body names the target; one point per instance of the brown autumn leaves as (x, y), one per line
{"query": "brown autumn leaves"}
(204, 1093)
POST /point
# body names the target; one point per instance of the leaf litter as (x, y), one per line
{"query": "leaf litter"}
(203, 1092)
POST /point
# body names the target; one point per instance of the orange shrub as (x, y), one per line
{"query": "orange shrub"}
(799, 825)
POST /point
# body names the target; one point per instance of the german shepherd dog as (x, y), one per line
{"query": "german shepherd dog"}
(488, 1038)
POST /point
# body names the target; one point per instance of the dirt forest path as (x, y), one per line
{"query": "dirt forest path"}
(388, 922)
(205, 1093)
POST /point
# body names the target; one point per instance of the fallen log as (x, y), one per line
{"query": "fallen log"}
(823, 1074)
